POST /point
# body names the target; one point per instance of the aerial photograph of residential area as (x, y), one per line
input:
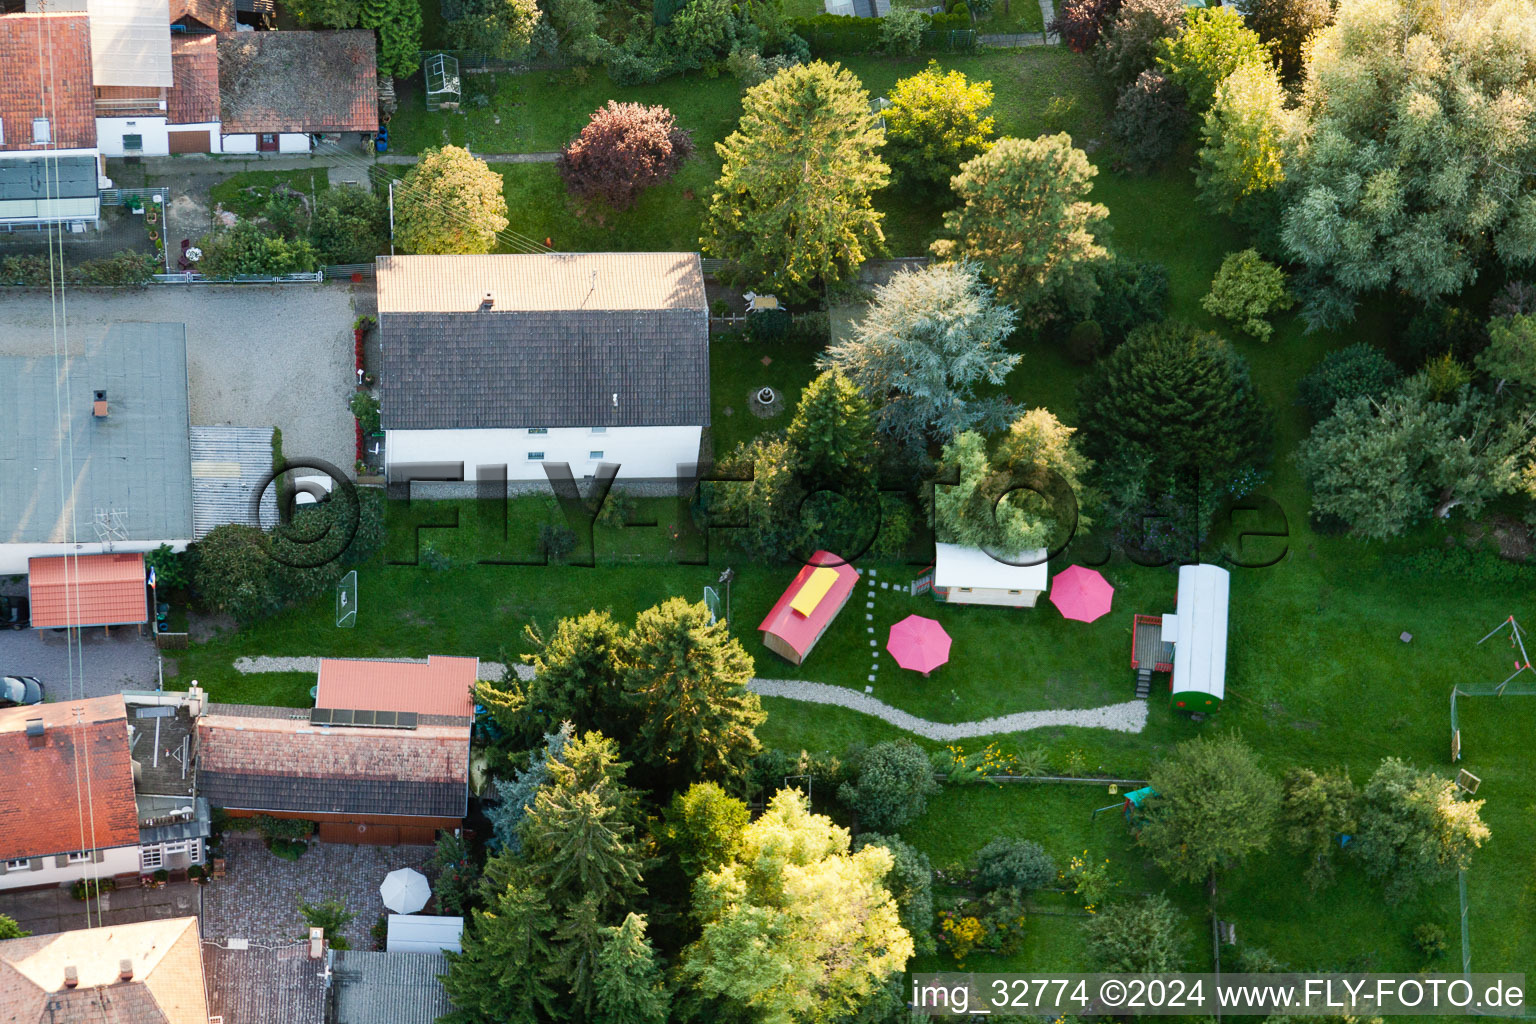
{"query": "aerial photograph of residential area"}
(767, 511)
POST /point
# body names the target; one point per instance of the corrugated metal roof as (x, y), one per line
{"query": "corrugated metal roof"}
(423, 933)
(135, 462)
(260, 986)
(389, 988)
(957, 566)
(38, 177)
(130, 42)
(228, 464)
(552, 282)
(1200, 651)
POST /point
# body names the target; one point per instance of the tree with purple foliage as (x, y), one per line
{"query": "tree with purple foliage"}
(624, 149)
(1080, 22)
(1130, 44)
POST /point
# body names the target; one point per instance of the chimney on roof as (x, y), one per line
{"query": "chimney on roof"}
(488, 303)
(125, 970)
(35, 732)
(99, 406)
(71, 976)
(316, 943)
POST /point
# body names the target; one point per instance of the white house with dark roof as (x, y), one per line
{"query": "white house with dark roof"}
(525, 361)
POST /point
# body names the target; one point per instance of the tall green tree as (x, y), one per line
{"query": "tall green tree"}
(1214, 806)
(974, 512)
(628, 982)
(398, 23)
(502, 976)
(929, 341)
(579, 836)
(891, 784)
(1024, 216)
(499, 28)
(796, 928)
(1510, 357)
(911, 885)
(351, 225)
(1414, 829)
(832, 431)
(576, 678)
(1315, 810)
(1136, 937)
(1286, 26)
(1244, 135)
(702, 827)
(1411, 172)
(449, 202)
(1215, 42)
(687, 679)
(1041, 451)
(937, 121)
(794, 208)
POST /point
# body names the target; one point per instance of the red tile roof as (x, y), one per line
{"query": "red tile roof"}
(194, 98)
(443, 686)
(46, 784)
(801, 631)
(47, 62)
(218, 15)
(87, 590)
(298, 82)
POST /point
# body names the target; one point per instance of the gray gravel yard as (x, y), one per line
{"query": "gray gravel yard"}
(257, 356)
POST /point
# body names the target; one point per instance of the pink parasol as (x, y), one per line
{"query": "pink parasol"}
(918, 644)
(1081, 594)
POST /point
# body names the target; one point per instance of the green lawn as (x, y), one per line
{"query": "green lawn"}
(245, 194)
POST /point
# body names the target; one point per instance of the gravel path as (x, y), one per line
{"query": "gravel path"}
(1130, 716)
(256, 356)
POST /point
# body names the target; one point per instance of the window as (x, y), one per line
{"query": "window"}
(16, 865)
(538, 430)
(40, 132)
(965, 590)
(133, 143)
(2, 131)
(599, 430)
(79, 857)
(178, 847)
(150, 858)
(594, 456)
(535, 456)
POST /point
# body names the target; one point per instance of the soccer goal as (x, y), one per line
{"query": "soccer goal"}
(712, 602)
(346, 601)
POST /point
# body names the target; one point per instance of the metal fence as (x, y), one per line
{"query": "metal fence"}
(190, 277)
(122, 196)
(346, 270)
(471, 62)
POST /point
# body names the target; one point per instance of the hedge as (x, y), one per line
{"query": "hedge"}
(831, 34)
(126, 267)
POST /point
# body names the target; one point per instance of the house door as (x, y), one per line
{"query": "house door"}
(266, 143)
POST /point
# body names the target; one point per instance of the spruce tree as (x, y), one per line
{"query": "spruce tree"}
(832, 432)
(628, 983)
(576, 677)
(502, 976)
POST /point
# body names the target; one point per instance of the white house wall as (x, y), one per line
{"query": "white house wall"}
(110, 132)
(287, 142)
(987, 595)
(642, 453)
(13, 557)
(123, 860)
(238, 144)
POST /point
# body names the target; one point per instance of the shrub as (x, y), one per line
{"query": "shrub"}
(1429, 940)
(1352, 372)
(288, 849)
(350, 225)
(93, 887)
(1084, 341)
(624, 149)
(891, 785)
(1130, 43)
(122, 268)
(1246, 289)
(901, 31)
(197, 872)
(1136, 938)
(380, 932)
(173, 570)
(1150, 120)
(1132, 292)
(9, 929)
(618, 508)
(769, 324)
(292, 829)
(331, 915)
(1011, 863)
(1446, 376)
(162, 875)
(556, 540)
(366, 408)
(1080, 22)
(247, 249)
(937, 121)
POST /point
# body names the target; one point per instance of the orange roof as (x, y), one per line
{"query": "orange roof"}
(47, 58)
(87, 590)
(194, 96)
(443, 686)
(46, 779)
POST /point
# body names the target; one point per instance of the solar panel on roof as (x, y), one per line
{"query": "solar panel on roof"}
(363, 719)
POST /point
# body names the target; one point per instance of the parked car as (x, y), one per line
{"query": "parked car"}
(18, 690)
(15, 612)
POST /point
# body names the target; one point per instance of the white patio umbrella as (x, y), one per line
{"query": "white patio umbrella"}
(405, 891)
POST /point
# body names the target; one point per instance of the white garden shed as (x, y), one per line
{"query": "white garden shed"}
(963, 575)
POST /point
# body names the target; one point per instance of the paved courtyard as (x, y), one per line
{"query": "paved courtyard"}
(258, 899)
(125, 660)
(257, 356)
(45, 911)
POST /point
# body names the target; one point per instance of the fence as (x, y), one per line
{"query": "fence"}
(471, 63)
(195, 278)
(122, 196)
(346, 270)
(171, 641)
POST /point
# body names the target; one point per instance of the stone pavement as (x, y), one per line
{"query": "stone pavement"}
(125, 660)
(46, 911)
(258, 898)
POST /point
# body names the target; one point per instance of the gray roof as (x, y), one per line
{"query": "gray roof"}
(42, 177)
(297, 794)
(228, 464)
(57, 473)
(199, 826)
(578, 368)
(261, 985)
(389, 988)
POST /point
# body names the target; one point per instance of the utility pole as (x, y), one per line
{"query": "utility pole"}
(726, 578)
(391, 216)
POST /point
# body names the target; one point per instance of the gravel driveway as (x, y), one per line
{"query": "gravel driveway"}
(257, 356)
(104, 665)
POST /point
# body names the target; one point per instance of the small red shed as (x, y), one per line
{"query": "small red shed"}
(805, 610)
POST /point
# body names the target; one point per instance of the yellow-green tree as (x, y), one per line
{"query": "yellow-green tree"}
(1244, 137)
(449, 203)
(793, 208)
(937, 121)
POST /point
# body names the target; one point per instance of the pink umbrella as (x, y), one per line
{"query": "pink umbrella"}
(918, 644)
(1081, 594)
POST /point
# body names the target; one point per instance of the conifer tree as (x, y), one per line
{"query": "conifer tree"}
(628, 983)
